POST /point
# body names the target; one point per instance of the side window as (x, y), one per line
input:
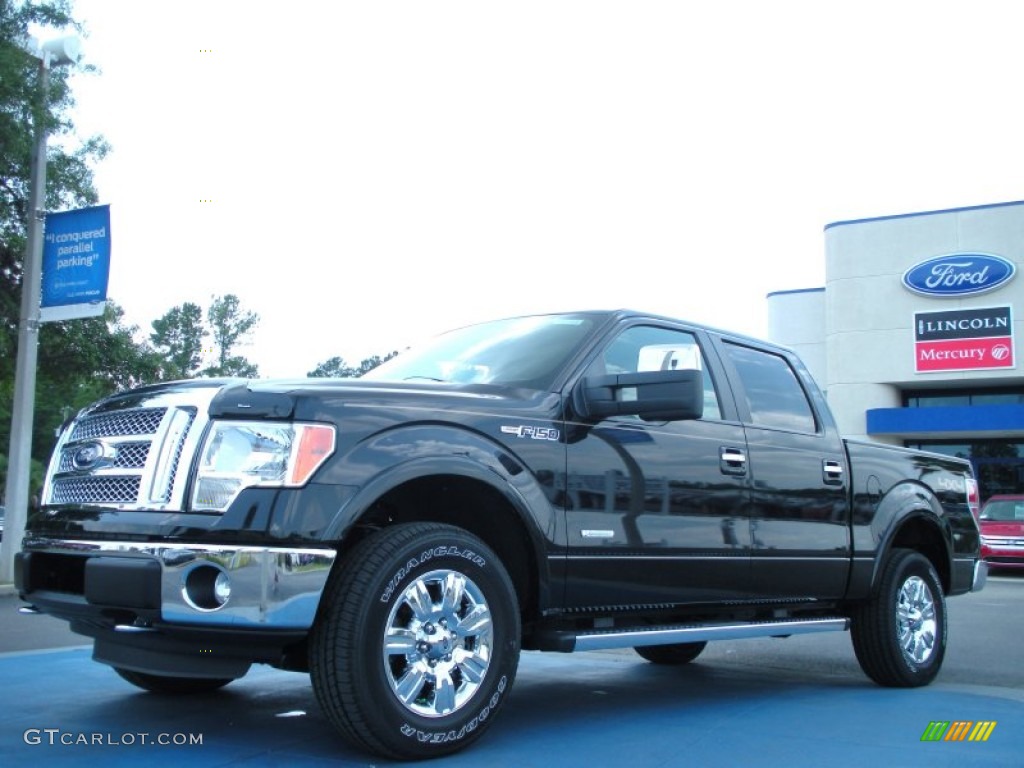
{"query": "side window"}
(774, 394)
(645, 348)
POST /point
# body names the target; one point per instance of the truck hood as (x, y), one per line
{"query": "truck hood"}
(269, 398)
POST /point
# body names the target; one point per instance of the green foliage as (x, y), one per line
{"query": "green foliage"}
(229, 326)
(337, 368)
(37, 473)
(178, 337)
(69, 163)
(235, 365)
(82, 359)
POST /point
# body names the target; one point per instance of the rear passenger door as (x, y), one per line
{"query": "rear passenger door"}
(799, 529)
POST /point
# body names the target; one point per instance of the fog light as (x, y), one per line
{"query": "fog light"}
(206, 588)
(222, 588)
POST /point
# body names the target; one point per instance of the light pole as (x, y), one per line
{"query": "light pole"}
(65, 50)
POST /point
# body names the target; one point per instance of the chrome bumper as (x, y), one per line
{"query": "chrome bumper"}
(980, 576)
(270, 587)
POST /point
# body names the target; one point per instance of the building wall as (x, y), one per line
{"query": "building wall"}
(799, 318)
(865, 322)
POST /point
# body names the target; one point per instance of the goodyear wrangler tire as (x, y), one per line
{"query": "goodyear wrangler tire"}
(417, 641)
(900, 635)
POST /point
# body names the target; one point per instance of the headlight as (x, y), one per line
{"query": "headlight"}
(241, 454)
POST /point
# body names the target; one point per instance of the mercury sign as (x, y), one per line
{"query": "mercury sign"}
(963, 340)
(76, 263)
(959, 274)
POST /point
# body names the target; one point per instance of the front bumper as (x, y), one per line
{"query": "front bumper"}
(122, 584)
(1003, 551)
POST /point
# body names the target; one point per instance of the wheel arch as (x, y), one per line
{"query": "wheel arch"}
(919, 530)
(909, 516)
(472, 497)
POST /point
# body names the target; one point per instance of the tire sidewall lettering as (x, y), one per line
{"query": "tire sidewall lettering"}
(424, 557)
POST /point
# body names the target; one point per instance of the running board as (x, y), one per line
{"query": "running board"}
(604, 639)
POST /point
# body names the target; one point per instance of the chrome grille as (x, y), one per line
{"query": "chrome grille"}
(128, 456)
(131, 451)
(1003, 541)
(132, 455)
(175, 461)
(96, 490)
(136, 421)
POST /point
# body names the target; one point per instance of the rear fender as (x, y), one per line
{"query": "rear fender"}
(911, 506)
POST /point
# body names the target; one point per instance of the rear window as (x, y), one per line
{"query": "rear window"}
(774, 394)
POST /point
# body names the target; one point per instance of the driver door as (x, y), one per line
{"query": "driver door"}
(657, 512)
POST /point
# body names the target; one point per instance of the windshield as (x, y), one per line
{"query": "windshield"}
(1005, 510)
(521, 352)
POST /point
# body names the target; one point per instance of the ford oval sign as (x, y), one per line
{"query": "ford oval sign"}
(959, 274)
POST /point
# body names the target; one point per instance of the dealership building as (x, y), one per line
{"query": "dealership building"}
(913, 335)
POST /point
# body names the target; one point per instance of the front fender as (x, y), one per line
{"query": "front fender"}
(395, 457)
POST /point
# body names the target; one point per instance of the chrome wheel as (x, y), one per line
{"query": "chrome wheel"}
(899, 635)
(916, 620)
(437, 643)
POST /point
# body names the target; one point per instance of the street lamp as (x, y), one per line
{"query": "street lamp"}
(64, 50)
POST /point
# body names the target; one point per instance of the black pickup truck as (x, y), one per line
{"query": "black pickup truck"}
(563, 482)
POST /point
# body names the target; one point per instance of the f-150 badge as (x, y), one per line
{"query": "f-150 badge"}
(537, 433)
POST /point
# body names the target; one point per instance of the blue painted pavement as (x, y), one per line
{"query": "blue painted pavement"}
(592, 709)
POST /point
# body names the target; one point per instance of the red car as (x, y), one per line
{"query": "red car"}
(1002, 532)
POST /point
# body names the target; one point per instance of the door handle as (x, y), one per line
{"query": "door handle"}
(732, 461)
(832, 472)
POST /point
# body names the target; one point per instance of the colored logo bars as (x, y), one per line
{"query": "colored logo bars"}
(958, 730)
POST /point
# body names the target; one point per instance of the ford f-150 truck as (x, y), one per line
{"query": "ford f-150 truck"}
(563, 482)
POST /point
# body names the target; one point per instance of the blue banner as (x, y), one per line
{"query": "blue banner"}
(76, 259)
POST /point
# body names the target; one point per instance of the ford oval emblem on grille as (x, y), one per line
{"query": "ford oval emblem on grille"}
(87, 456)
(959, 274)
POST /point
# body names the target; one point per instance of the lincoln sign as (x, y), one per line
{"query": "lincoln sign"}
(963, 340)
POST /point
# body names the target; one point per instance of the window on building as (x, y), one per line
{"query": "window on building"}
(939, 398)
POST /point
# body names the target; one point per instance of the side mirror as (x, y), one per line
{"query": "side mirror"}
(659, 395)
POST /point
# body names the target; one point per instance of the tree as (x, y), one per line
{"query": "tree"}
(336, 367)
(178, 336)
(229, 325)
(370, 363)
(79, 359)
(69, 167)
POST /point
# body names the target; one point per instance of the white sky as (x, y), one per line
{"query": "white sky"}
(383, 170)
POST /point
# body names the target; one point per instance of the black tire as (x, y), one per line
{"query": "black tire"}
(172, 685)
(672, 655)
(451, 613)
(899, 636)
